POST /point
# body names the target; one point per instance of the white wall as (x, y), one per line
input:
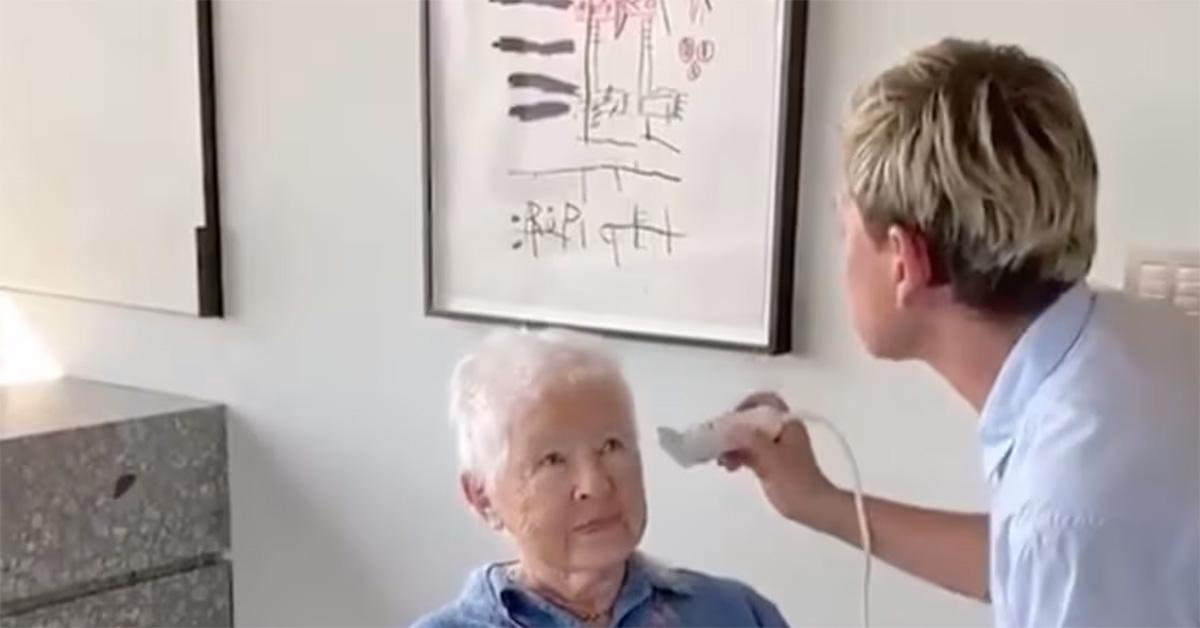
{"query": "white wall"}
(114, 187)
(345, 511)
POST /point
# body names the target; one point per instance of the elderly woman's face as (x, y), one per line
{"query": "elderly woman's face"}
(570, 491)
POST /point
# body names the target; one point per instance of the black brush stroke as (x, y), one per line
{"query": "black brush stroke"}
(525, 46)
(544, 82)
(539, 110)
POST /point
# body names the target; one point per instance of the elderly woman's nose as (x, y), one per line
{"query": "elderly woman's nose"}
(592, 480)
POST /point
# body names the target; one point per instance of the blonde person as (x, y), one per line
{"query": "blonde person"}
(548, 447)
(969, 226)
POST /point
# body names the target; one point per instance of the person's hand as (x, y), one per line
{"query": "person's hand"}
(785, 465)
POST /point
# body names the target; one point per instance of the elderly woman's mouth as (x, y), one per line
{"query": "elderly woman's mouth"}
(598, 524)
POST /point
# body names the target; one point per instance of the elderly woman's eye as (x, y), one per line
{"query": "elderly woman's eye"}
(612, 444)
(552, 459)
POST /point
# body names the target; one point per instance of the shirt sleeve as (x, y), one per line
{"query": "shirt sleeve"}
(1079, 572)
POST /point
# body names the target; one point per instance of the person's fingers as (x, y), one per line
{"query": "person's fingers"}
(792, 434)
(744, 437)
(732, 461)
(752, 447)
(763, 398)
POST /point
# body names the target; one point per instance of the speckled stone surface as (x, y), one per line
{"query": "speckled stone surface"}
(108, 500)
(192, 599)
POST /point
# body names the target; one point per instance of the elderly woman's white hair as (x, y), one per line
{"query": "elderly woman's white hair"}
(509, 368)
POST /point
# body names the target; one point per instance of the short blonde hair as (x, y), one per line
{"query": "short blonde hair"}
(984, 151)
(512, 367)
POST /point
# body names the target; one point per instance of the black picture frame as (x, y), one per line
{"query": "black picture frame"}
(780, 331)
(208, 236)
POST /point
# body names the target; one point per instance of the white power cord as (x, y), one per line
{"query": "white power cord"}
(864, 531)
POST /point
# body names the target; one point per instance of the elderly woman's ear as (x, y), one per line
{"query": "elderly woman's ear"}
(475, 492)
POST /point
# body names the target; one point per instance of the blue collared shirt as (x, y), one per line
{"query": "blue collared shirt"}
(1091, 449)
(652, 595)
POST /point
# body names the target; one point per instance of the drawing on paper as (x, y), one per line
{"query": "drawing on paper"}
(617, 165)
(616, 99)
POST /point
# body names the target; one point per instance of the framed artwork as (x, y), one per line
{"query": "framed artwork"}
(108, 162)
(623, 166)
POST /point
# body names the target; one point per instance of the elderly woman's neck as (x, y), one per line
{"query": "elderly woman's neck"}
(582, 592)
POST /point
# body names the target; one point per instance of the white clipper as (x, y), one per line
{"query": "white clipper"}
(707, 441)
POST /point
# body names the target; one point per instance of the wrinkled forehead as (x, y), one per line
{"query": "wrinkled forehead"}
(565, 410)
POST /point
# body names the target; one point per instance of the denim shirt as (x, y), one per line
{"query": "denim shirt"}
(651, 595)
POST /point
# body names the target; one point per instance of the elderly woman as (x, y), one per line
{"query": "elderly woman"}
(549, 455)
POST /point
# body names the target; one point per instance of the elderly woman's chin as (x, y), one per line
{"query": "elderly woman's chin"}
(604, 542)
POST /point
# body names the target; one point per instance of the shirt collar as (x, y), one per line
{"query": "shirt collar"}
(1035, 357)
(642, 578)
